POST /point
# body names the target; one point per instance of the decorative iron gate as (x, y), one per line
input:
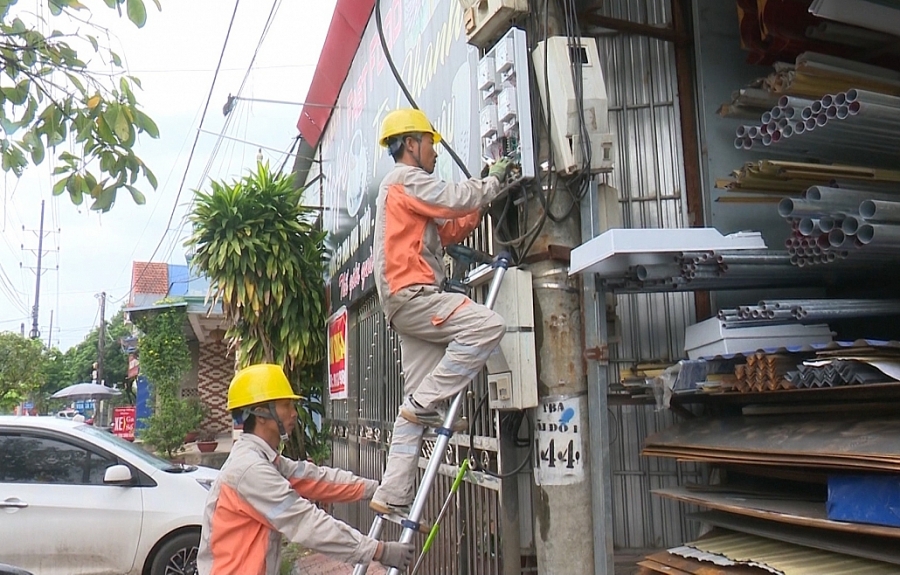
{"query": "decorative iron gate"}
(469, 540)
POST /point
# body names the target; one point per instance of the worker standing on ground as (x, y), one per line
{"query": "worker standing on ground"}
(445, 337)
(260, 495)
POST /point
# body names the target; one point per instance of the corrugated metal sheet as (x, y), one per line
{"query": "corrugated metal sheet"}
(786, 558)
(641, 81)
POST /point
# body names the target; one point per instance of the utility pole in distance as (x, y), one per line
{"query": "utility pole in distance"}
(102, 340)
(35, 333)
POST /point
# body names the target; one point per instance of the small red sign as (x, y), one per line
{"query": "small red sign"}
(133, 366)
(123, 422)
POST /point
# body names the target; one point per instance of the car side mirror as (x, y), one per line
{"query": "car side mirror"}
(117, 475)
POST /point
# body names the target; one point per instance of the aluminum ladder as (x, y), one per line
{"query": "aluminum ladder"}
(411, 524)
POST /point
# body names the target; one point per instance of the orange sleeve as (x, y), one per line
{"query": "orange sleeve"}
(456, 230)
(326, 492)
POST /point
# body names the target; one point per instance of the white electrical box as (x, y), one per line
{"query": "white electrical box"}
(484, 20)
(565, 120)
(512, 373)
(505, 102)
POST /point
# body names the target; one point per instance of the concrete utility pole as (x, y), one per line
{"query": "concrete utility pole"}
(50, 335)
(102, 339)
(563, 518)
(35, 333)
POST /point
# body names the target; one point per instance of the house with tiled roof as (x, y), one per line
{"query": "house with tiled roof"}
(156, 286)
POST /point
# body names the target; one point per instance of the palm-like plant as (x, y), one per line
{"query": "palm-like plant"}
(266, 264)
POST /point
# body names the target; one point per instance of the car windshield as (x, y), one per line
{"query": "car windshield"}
(135, 450)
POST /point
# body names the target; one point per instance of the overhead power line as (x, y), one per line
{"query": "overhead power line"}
(193, 146)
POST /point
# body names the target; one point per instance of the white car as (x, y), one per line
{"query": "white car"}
(77, 500)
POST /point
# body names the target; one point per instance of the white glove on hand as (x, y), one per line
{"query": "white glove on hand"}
(396, 554)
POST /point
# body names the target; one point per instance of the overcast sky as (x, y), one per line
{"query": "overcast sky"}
(174, 56)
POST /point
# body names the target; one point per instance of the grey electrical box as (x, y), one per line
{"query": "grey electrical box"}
(512, 373)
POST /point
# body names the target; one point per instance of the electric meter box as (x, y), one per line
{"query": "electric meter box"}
(504, 102)
(485, 20)
(512, 373)
(566, 132)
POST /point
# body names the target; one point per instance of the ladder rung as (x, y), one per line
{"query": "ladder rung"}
(424, 528)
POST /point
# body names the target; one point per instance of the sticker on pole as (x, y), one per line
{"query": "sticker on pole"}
(559, 454)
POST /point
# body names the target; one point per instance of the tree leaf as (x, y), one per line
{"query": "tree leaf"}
(137, 12)
(146, 123)
(93, 102)
(123, 127)
(93, 42)
(59, 186)
(56, 7)
(136, 195)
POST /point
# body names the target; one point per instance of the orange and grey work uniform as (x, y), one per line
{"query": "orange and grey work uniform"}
(445, 337)
(260, 496)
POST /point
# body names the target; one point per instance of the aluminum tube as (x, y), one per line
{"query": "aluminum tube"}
(855, 95)
(831, 111)
(879, 235)
(782, 122)
(849, 226)
(738, 143)
(806, 113)
(840, 99)
(880, 211)
(766, 140)
(753, 132)
(776, 113)
(831, 315)
(808, 226)
(775, 258)
(815, 107)
(827, 100)
(795, 101)
(788, 131)
(798, 208)
(826, 224)
(875, 111)
(659, 272)
(766, 117)
(836, 238)
(829, 194)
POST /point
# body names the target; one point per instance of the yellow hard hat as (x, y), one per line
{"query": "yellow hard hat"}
(258, 384)
(406, 121)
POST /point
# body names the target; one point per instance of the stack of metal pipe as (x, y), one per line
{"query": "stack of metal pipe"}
(707, 270)
(856, 124)
(830, 223)
(805, 311)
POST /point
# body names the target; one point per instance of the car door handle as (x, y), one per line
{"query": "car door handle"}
(13, 503)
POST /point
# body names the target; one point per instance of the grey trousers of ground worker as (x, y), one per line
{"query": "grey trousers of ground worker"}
(445, 340)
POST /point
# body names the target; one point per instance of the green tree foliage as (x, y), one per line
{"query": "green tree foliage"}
(21, 369)
(266, 263)
(50, 95)
(76, 365)
(165, 359)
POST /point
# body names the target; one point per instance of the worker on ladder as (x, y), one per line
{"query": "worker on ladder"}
(445, 337)
(260, 495)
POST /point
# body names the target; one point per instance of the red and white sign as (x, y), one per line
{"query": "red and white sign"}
(123, 422)
(133, 366)
(337, 354)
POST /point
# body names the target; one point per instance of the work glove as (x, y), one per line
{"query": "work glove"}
(396, 554)
(500, 169)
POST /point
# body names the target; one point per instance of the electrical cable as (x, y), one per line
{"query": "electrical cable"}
(412, 102)
(511, 427)
(193, 147)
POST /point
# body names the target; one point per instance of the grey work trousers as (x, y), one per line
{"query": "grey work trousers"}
(445, 340)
